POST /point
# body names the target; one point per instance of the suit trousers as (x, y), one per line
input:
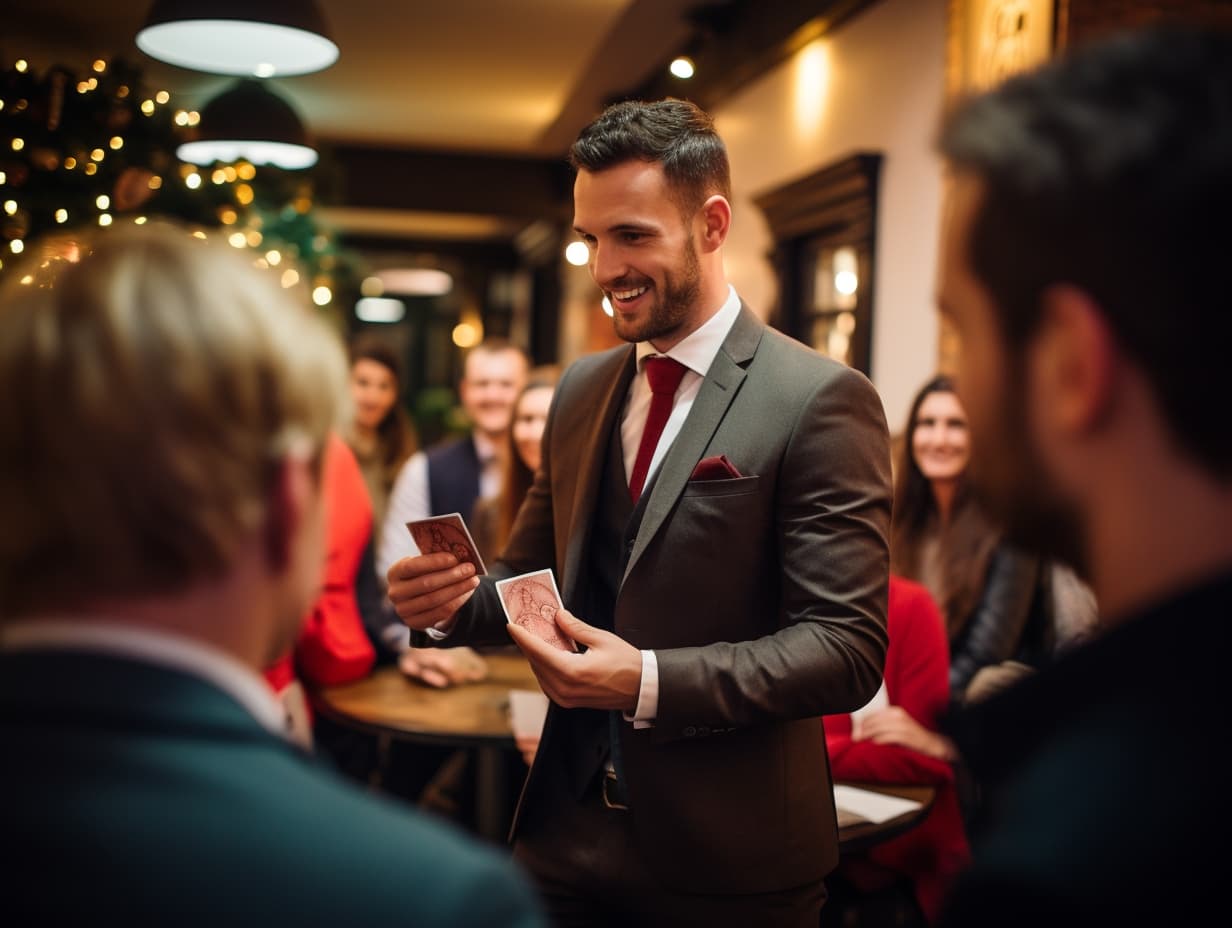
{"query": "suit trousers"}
(585, 862)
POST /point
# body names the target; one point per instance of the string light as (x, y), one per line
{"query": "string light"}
(61, 215)
(17, 246)
(322, 295)
(192, 181)
(162, 96)
(99, 65)
(21, 65)
(104, 219)
(10, 207)
(290, 277)
(103, 201)
(116, 143)
(19, 144)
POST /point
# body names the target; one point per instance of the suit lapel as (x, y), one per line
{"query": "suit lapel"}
(718, 389)
(595, 445)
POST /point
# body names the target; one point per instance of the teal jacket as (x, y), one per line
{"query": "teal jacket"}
(133, 794)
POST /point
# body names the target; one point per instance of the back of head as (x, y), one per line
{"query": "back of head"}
(1110, 169)
(161, 379)
(674, 133)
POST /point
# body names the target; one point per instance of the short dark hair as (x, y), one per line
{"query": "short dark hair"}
(1111, 169)
(674, 133)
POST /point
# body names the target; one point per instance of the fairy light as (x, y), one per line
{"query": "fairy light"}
(97, 155)
(237, 240)
(322, 295)
(192, 181)
(219, 176)
(99, 66)
(103, 201)
(147, 107)
(61, 215)
(21, 65)
(274, 257)
(10, 207)
(17, 246)
(104, 219)
(290, 277)
(116, 143)
(162, 96)
(19, 144)
(91, 168)
(155, 182)
(69, 163)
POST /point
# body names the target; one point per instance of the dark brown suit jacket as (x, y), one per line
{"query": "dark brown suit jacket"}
(763, 597)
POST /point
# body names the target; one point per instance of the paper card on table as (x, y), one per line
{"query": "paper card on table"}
(873, 807)
(527, 711)
(532, 601)
(446, 533)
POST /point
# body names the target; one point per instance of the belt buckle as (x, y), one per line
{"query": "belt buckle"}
(610, 783)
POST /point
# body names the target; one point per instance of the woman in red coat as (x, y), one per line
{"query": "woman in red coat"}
(332, 646)
(899, 743)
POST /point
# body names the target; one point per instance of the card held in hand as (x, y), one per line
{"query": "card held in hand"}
(447, 533)
(532, 601)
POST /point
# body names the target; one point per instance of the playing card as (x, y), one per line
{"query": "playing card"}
(532, 601)
(446, 533)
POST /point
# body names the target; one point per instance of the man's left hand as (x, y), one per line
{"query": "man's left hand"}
(608, 675)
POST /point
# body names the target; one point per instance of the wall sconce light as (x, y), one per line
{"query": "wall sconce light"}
(261, 38)
(250, 122)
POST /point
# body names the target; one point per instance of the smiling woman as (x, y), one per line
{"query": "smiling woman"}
(994, 598)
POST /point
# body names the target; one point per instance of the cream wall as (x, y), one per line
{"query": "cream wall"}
(876, 84)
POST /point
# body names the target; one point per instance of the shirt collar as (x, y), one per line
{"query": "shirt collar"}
(152, 646)
(698, 349)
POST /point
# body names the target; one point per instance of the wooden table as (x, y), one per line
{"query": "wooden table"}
(473, 716)
(856, 835)
(476, 716)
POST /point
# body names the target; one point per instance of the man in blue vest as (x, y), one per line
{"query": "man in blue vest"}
(451, 477)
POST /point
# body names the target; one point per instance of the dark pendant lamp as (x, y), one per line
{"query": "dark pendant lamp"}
(250, 122)
(261, 38)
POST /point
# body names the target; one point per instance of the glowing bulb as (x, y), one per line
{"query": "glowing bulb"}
(17, 246)
(162, 96)
(103, 201)
(274, 257)
(147, 107)
(19, 144)
(290, 277)
(192, 181)
(466, 335)
(10, 206)
(116, 143)
(99, 65)
(104, 219)
(682, 67)
(322, 295)
(61, 216)
(237, 240)
(21, 64)
(97, 155)
(845, 282)
(577, 253)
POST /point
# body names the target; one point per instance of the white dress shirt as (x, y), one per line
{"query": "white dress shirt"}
(158, 648)
(409, 501)
(696, 352)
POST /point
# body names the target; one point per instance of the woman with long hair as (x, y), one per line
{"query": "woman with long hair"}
(993, 597)
(381, 433)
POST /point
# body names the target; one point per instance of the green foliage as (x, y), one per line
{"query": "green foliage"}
(84, 149)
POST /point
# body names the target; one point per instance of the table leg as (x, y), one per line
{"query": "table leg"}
(490, 817)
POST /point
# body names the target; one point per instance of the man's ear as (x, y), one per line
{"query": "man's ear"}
(1075, 356)
(716, 222)
(292, 494)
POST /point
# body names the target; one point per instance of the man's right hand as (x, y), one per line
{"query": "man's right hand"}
(429, 589)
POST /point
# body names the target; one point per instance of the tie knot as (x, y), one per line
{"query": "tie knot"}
(664, 374)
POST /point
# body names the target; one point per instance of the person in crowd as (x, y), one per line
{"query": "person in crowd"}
(1082, 265)
(897, 739)
(332, 646)
(381, 433)
(714, 501)
(452, 477)
(992, 593)
(494, 517)
(163, 541)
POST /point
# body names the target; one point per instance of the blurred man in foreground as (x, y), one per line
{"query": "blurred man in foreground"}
(1083, 268)
(161, 448)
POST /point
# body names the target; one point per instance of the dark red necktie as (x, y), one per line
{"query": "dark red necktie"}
(664, 375)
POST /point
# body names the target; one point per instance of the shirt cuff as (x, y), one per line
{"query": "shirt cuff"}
(440, 631)
(648, 697)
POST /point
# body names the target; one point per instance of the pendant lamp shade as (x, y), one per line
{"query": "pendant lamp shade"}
(260, 38)
(249, 121)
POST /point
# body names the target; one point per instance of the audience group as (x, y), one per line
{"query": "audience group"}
(1040, 571)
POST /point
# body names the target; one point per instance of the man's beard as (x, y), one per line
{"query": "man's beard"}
(671, 307)
(1010, 481)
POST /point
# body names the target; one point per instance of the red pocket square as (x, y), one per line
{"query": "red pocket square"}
(715, 468)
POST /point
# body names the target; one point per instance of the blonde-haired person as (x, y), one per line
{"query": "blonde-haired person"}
(161, 485)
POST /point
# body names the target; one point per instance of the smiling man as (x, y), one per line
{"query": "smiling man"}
(1084, 269)
(714, 500)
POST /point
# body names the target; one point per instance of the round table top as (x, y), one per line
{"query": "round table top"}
(387, 702)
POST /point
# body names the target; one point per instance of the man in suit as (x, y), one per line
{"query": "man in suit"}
(1083, 267)
(163, 539)
(682, 774)
(451, 477)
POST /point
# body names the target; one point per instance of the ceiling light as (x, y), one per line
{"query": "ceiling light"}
(250, 122)
(416, 281)
(682, 67)
(379, 309)
(250, 37)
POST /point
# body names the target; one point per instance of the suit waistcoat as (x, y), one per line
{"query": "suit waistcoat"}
(453, 478)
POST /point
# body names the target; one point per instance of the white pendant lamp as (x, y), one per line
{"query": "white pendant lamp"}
(260, 38)
(249, 121)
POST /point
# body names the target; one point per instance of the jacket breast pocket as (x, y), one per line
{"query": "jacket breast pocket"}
(734, 486)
